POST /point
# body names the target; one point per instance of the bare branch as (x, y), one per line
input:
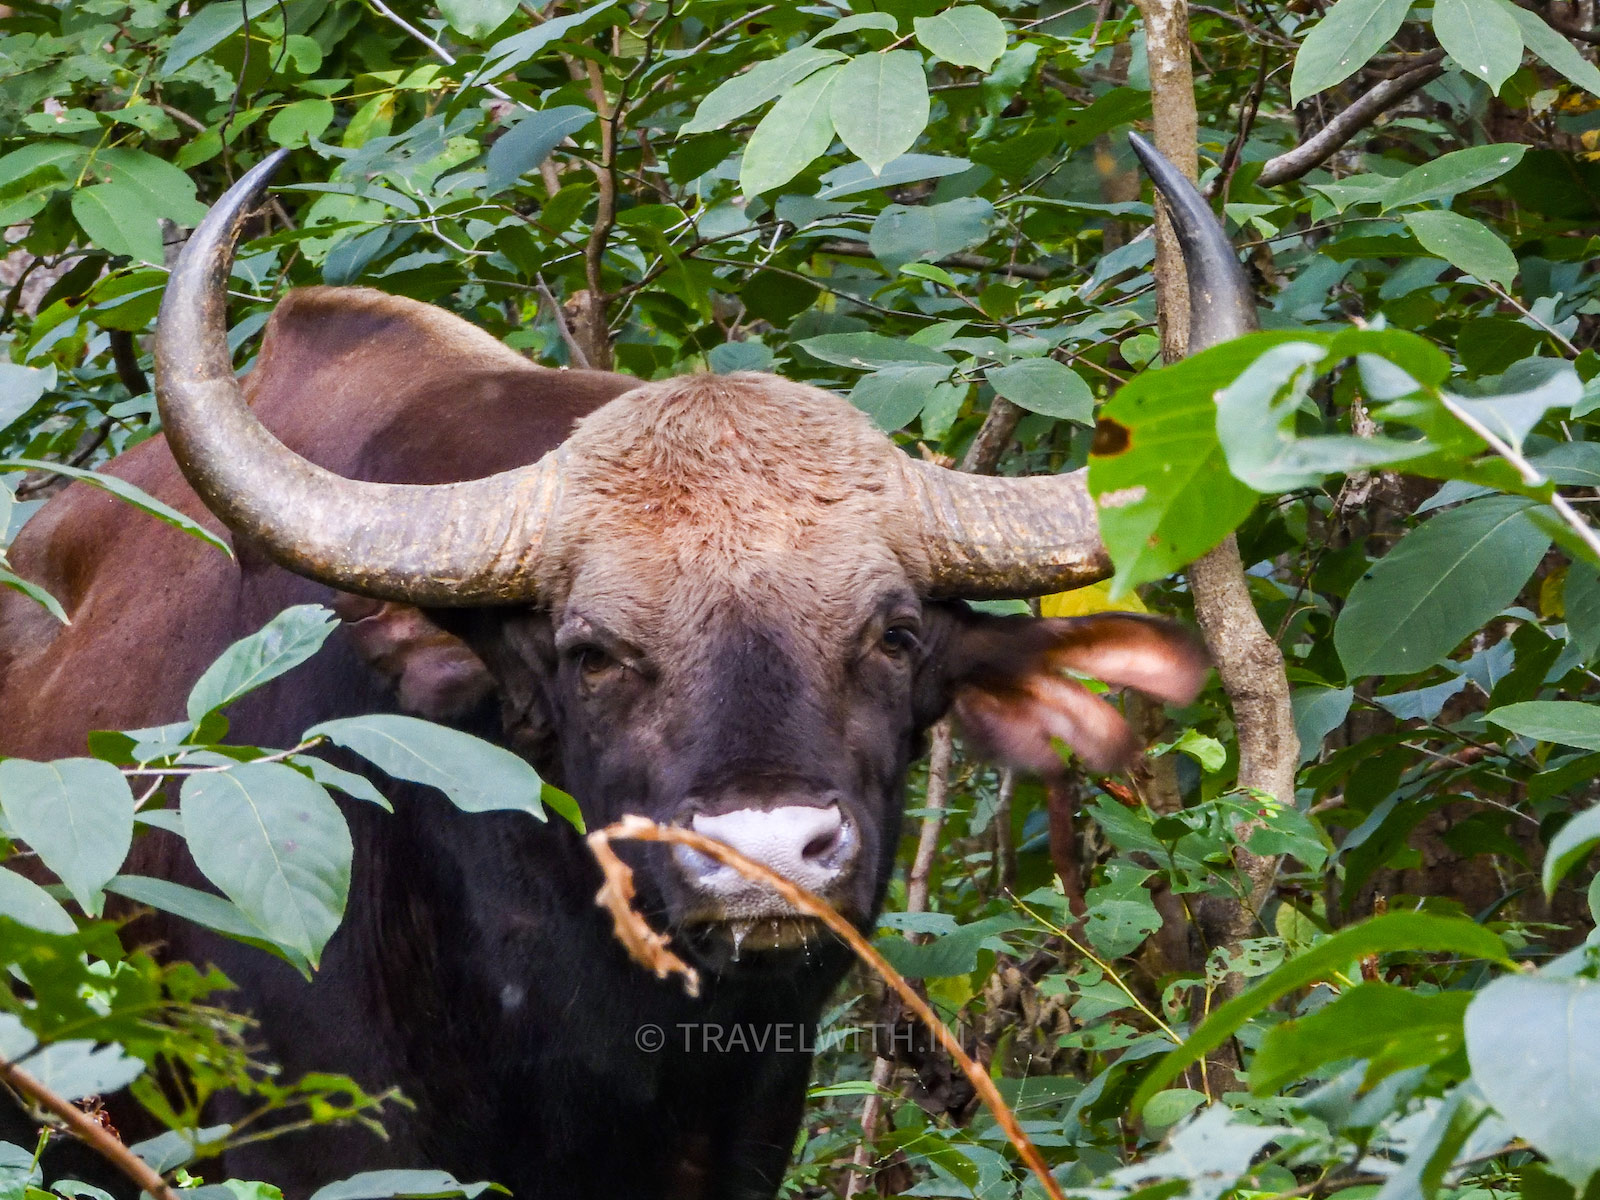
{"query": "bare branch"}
(89, 1131)
(579, 358)
(1323, 145)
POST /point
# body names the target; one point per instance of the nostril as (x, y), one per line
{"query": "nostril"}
(825, 843)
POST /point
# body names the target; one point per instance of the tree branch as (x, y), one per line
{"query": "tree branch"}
(1248, 659)
(89, 1131)
(1327, 142)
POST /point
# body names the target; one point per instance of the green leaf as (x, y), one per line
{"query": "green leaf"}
(796, 131)
(762, 82)
(77, 816)
(1581, 600)
(1121, 914)
(280, 645)
(945, 954)
(476, 775)
(1043, 385)
(1318, 711)
(1256, 418)
(529, 142)
(1392, 1026)
(1512, 416)
(1454, 173)
(300, 123)
(1480, 37)
(20, 389)
(476, 19)
(509, 53)
(1534, 1046)
(122, 490)
(1553, 48)
(277, 846)
(1408, 931)
(906, 233)
(894, 395)
(964, 36)
(381, 1185)
(1573, 843)
(164, 189)
(1465, 244)
(116, 219)
(1340, 44)
(868, 351)
(867, 20)
(1157, 471)
(26, 903)
(207, 28)
(78, 1069)
(1438, 584)
(1565, 722)
(880, 105)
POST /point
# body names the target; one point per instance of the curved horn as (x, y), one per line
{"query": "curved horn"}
(991, 537)
(1221, 304)
(441, 545)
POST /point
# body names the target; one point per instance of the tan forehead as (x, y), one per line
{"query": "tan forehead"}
(743, 488)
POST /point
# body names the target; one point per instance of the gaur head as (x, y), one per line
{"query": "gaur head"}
(724, 602)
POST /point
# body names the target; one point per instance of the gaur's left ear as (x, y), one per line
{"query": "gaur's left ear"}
(1010, 693)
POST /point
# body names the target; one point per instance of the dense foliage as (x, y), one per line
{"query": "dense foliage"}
(930, 207)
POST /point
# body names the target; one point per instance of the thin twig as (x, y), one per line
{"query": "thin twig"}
(1530, 475)
(439, 51)
(633, 930)
(89, 1131)
(965, 262)
(579, 358)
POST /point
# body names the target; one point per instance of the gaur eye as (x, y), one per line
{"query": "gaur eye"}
(591, 660)
(899, 640)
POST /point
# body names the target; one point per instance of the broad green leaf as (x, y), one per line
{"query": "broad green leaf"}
(893, 395)
(1534, 1046)
(762, 82)
(1513, 416)
(797, 130)
(866, 20)
(1571, 464)
(1157, 471)
(1340, 44)
(1203, 1158)
(476, 19)
(1573, 843)
(945, 953)
(1423, 933)
(1437, 585)
(78, 1069)
(1043, 385)
(476, 775)
(122, 490)
(20, 389)
(1480, 37)
(117, 220)
(854, 178)
(280, 645)
(77, 816)
(529, 142)
(302, 122)
(1256, 418)
(23, 197)
(1565, 722)
(509, 53)
(906, 233)
(963, 36)
(1554, 48)
(382, 1185)
(1121, 914)
(880, 105)
(1391, 1026)
(213, 912)
(277, 846)
(165, 190)
(207, 28)
(1581, 601)
(348, 782)
(1453, 173)
(868, 351)
(26, 903)
(1465, 244)
(1318, 711)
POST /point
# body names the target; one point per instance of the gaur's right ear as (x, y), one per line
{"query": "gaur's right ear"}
(1012, 696)
(434, 674)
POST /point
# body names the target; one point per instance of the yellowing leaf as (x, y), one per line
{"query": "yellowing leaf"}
(1086, 601)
